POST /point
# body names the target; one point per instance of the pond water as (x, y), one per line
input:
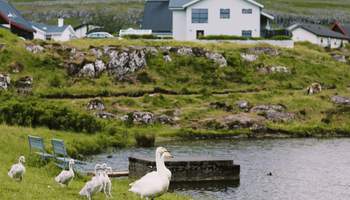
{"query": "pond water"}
(302, 169)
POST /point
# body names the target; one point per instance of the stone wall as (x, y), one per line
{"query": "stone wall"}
(188, 169)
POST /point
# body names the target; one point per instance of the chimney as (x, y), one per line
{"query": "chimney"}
(60, 22)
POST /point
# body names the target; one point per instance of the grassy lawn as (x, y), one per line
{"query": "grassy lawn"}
(39, 181)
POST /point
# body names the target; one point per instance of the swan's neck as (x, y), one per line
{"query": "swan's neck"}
(160, 164)
(70, 167)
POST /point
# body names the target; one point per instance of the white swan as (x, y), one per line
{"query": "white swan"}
(107, 184)
(66, 176)
(93, 186)
(17, 170)
(155, 183)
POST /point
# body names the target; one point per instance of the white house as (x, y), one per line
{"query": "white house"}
(189, 19)
(319, 35)
(60, 32)
(82, 30)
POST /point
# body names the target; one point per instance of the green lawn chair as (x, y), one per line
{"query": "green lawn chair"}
(61, 155)
(37, 144)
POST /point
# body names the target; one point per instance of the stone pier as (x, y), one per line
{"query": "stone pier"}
(191, 169)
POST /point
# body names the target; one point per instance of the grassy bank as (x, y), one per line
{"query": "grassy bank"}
(39, 181)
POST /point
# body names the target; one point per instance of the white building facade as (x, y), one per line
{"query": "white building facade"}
(318, 35)
(190, 19)
(61, 32)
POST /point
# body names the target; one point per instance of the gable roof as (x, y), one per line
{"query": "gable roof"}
(157, 16)
(320, 30)
(17, 19)
(49, 28)
(342, 28)
(182, 4)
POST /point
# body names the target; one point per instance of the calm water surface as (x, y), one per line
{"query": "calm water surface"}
(303, 169)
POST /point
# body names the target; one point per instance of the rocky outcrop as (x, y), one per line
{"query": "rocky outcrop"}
(24, 85)
(142, 117)
(5, 81)
(184, 51)
(314, 88)
(243, 104)
(236, 121)
(268, 108)
(96, 52)
(165, 119)
(276, 116)
(341, 100)
(263, 50)
(249, 57)
(126, 62)
(339, 58)
(34, 48)
(217, 58)
(95, 104)
(167, 58)
(105, 115)
(273, 70)
(93, 70)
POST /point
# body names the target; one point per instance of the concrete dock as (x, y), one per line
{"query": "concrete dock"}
(190, 169)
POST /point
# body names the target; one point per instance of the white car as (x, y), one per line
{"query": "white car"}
(99, 35)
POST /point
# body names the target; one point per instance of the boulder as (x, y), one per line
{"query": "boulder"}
(105, 115)
(34, 48)
(24, 85)
(167, 58)
(185, 51)
(123, 63)
(339, 58)
(95, 104)
(249, 57)
(199, 52)
(5, 81)
(96, 52)
(341, 100)
(151, 51)
(273, 70)
(276, 116)
(100, 67)
(88, 70)
(314, 88)
(243, 104)
(165, 119)
(142, 117)
(263, 50)
(241, 120)
(268, 108)
(217, 58)
(16, 67)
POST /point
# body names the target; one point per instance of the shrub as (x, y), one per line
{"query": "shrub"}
(140, 37)
(56, 82)
(281, 37)
(227, 37)
(145, 140)
(39, 113)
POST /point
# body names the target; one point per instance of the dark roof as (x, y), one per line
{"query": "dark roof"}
(322, 31)
(157, 16)
(49, 28)
(176, 4)
(17, 19)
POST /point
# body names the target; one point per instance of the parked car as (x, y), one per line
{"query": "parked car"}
(99, 35)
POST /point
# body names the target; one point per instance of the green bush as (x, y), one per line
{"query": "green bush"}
(227, 37)
(145, 140)
(281, 37)
(147, 37)
(38, 113)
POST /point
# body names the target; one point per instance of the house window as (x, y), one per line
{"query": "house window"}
(247, 11)
(199, 16)
(246, 33)
(48, 37)
(224, 13)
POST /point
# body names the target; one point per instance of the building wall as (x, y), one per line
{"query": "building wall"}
(300, 35)
(217, 26)
(179, 25)
(67, 35)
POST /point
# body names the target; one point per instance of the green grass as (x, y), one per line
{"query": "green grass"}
(39, 181)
